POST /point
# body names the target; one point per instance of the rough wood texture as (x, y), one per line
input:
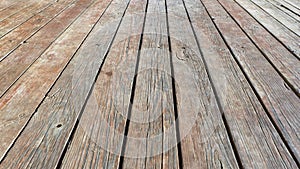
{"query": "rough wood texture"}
(205, 143)
(288, 38)
(15, 38)
(284, 61)
(21, 100)
(294, 3)
(281, 102)
(17, 19)
(58, 113)
(118, 83)
(7, 9)
(287, 8)
(289, 22)
(151, 138)
(29, 52)
(98, 143)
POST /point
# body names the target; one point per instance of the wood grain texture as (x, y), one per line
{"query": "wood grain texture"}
(7, 3)
(7, 9)
(286, 8)
(17, 19)
(257, 142)
(291, 23)
(294, 3)
(51, 123)
(288, 38)
(281, 103)
(99, 137)
(29, 52)
(284, 61)
(21, 100)
(151, 140)
(204, 140)
(14, 39)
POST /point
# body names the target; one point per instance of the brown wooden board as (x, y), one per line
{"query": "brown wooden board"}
(287, 8)
(281, 103)
(12, 9)
(98, 140)
(284, 62)
(19, 103)
(284, 35)
(47, 120)
(291, 23)
(14, 39)
(7, 3)
(29, 52)
(294, 3)
(20, 17)
(203, 136)
(151, 138)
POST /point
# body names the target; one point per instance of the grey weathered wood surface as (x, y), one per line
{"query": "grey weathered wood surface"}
(22, 99)
(294, 3)
(151, 138)
(281, 103)
(98, 143)
(116, 84)
(58, 108)
(288, 38)
(29, 52)
(289, 22)
(6, 4)
(8, 9)
(284, 61)
(15, 20)
(204, 140)
(16, 37)
(286, 8)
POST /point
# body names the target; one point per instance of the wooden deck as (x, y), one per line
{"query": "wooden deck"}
(190, 84)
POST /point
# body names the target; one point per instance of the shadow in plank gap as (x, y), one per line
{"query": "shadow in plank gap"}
(118, 79)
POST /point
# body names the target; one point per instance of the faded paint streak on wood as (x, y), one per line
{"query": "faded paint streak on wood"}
(281, 103)
(20, 102)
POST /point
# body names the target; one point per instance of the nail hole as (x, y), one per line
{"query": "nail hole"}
(58, 126)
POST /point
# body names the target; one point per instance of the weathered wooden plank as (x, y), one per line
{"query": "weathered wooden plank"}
(204, 141)
(284, 62)
(295, 3)
(17, 19)
(28, 52)
(99, 137)
(34, 146)
(151, 139)
(12, 9)
(289, 39)
(21, 100)
(7, 3)
(281, 103)
(291, 23)
(15, 38)
(287, 8)
(257, 143)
